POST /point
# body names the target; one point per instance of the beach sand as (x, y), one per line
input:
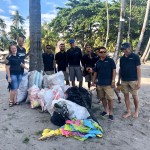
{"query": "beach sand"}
(20, 126)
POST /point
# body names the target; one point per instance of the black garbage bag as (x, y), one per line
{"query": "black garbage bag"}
(77, 95)
(60, 115)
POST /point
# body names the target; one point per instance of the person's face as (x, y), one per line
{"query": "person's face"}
(48, 49)
(13, 49)
(20, 41)
(102, 52)
(62, 47)
(97, 52)
(88, 49)
(72, 45)
(127, 51)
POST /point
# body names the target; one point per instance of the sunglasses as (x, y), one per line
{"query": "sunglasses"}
(88, 47)
(48, 48)
(102, 52)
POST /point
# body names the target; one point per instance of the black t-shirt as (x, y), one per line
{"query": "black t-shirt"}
(128, 67)
(21, 53)
(48, 60)
(104, 71)
(89, 62)
(74, 56)
(60, 57)
(14, 62)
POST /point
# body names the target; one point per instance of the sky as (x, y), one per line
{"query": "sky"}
(48, 10)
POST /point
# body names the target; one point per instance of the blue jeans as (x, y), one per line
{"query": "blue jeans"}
(15, 81)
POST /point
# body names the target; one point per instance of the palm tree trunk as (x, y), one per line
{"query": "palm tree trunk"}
(146, 50)
(130, 17)
(121, 28)
(107, 35)
(143, 28)
(146, 57)
(36, 62)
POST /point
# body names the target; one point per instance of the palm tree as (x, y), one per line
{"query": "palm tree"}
(143, 28)
(2, 24)
(17, 19)
(120, 32)
(35, 35)
(107, 35)
(16, 32)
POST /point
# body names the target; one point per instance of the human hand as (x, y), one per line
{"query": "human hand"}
(9, 80)
(138, 85)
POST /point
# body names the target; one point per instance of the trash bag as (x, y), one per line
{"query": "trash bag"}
(74, 94)
(60, 115)
(75, 110)
(35, 78)
(23, 89)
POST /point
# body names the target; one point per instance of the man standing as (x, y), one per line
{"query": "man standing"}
(21, 51)
(105, 71)
(74, 57)
(61, 61)
(48, 61)
(88, 61)
(130, 76)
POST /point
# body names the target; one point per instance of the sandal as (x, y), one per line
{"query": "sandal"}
(11, 103)
(16, 103)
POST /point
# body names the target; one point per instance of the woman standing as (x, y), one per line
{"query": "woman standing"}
(14, 73)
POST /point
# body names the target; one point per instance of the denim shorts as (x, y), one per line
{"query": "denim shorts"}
(15, 81)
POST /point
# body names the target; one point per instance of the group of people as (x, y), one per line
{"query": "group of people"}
(97, 68)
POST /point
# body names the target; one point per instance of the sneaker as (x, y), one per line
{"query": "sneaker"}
(111, 118)
(103, 113)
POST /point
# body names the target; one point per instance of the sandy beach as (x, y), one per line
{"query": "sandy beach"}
(21, 126)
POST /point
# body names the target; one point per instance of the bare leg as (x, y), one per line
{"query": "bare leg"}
(127, 102)
(80, 83)
(110, 104)
(15, 96)
(136, 104)
(73, 83)
(104, 102)
(67, 82)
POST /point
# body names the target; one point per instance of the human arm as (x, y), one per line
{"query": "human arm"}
(94, 78)
(139, 76)
(113, 78)
(8, 72)
(23, 66)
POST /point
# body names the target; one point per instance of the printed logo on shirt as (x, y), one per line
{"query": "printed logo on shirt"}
(130, 58)
(21, 54)
(105, 61)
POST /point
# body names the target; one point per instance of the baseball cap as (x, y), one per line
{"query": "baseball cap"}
(71, 41)
(125, 46)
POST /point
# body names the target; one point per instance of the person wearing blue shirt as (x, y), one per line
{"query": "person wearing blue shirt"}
(130, 77)
(105, 72)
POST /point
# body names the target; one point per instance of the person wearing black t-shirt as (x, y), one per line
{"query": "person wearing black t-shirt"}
(14, 73)
(88, 61)
(130, 76)
(48, 61)
(74, 57)
(61, 61)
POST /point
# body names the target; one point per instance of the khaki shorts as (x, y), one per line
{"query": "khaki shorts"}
(129, 86)
(49, 72)
(105, 92)
(66, 75)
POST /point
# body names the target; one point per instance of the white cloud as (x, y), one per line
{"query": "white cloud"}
(1, 10)
(12, 12)
(13, 7)
(47, 17)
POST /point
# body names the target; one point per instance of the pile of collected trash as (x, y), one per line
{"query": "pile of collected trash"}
(62, 101)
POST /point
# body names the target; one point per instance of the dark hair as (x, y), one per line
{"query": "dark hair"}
(96, 49)
(10, 47)
(102, 47)
(88, 44)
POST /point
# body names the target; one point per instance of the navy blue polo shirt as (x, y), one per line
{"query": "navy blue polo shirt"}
(74, 56)
(48, 60)
(14, 62)
(104, 71)
(128, 67)
(21, 53)
(60, 57)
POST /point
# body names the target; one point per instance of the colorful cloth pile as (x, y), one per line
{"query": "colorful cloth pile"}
(79, 129)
